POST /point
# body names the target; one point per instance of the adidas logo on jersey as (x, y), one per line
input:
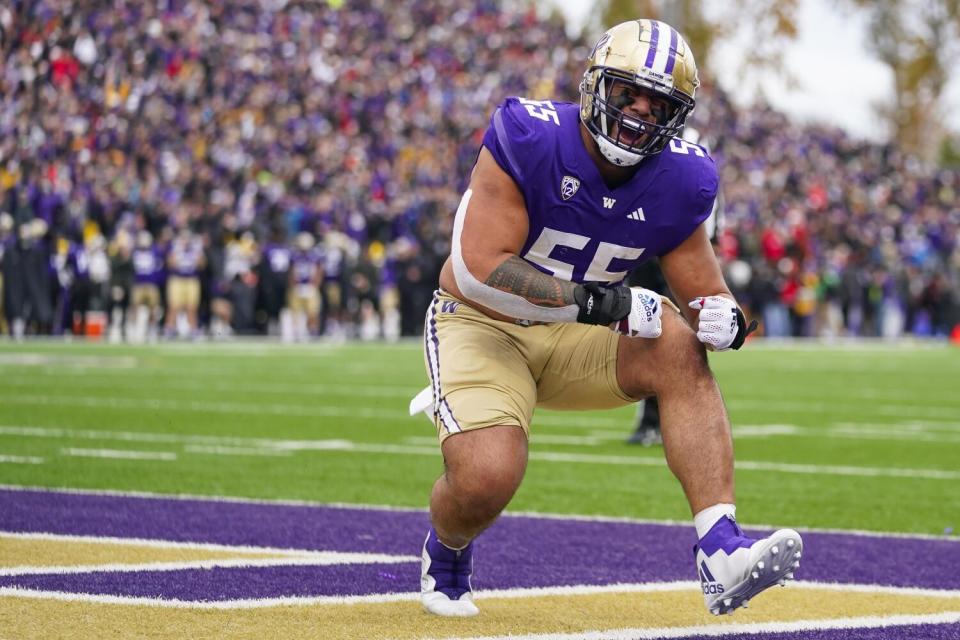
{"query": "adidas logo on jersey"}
(637, 215)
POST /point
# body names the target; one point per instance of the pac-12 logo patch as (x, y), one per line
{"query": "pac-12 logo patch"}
(568, 187)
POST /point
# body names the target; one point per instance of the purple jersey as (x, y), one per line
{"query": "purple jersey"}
(304, 264)
(69, 264)
(147, 265)
(186, 257)
(580, 229)
(277, 257)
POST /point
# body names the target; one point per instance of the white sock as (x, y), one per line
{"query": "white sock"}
(705, 520)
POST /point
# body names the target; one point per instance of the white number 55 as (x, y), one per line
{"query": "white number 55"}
(541, 109)
(550, 239)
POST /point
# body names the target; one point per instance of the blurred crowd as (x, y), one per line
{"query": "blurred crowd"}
(188, 168)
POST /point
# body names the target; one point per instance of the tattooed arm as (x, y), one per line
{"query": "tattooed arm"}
(485, 267)
(517, 276)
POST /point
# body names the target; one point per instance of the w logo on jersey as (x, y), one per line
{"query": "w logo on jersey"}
(609, 202)
(568, 187)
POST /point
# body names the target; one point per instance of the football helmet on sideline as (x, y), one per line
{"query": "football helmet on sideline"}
(654, 57)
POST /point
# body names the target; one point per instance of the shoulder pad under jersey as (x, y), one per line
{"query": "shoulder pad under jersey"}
(694, 177)
(521, 134)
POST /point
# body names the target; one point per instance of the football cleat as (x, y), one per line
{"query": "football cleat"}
(445, 579)
(734, 568)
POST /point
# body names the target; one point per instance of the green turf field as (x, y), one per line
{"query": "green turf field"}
(852, 437)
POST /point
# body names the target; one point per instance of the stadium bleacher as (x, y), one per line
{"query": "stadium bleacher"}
(358, 123)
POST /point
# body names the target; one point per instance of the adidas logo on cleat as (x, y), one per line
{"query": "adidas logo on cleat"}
(734, 568)
(708, 582)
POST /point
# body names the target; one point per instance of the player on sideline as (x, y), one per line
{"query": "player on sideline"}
(563, 201)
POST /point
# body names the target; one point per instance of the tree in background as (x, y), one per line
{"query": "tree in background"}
(919, 40)
(772, 25)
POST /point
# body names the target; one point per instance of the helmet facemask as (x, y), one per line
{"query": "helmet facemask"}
(609, 121)
(643, 56)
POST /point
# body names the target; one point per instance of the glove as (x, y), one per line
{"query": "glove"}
(630, 311)
(721, 325)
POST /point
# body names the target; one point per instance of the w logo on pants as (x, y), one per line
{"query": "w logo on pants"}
(449, 306)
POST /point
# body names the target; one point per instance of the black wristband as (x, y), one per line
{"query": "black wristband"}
(602, 305)
(743, 330)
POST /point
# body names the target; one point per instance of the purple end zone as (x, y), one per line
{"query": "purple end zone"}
(907, 632)
(515, 552)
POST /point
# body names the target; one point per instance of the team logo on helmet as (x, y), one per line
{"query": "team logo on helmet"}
(568, 187)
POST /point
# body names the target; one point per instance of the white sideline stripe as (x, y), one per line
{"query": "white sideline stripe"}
(929, 474)
(122, 454)
(8, 459)
(887, 409)
(117, 493)
(597, 437)
(736, 628)
(42, 359)
(286, 388)
(277, 409)
(323, 558)
(945, 413)
(229, 445)
(576, 590)
(257, 444)
(749, 465)
(233, 451)
(547, 456)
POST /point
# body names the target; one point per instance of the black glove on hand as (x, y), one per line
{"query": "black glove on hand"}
(602, 305)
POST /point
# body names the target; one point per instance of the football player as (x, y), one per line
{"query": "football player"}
(301, 319)
(186, 261)
(563, 201)
(149, 273)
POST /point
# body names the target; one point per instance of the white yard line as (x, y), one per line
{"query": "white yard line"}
(123, 379)
(120, 454)
(537, 592)
(216, 450)
(233, 408)
(949, 416)
(746, 465)
(67, 361)
(266, 446)
(11, 459)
